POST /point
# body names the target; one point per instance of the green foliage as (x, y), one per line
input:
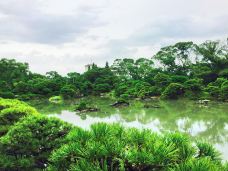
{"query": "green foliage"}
(224, 90)
(176, 58)
(194, 85)
(173, 91)
(82, 105)
(178, 79)
(213, 91)
(11, 115)
(29, 143)
(56, 99)
(68, 91)
(194, 66)
(207, 150)
(162, 80)
(7, 103)
(201, 164)
(224, 73)
(113, 147)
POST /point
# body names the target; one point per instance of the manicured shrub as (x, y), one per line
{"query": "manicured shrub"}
(81, 106)
(224, 73)
(6, 94)
(178, 79)
(7, 103)
(113, 147)
(218, 82)
(213, 91)
(224, 90)
(194, 85)
(102, 88)
(173, 91)
(56, 99)
(162, 80)
(9, 116)
(29, 143)
(201, 164)
(68, 91)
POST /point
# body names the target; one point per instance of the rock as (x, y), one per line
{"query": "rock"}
(151, 106)
(88, 110)
(118, 103)
(205, 102)
(154, 97)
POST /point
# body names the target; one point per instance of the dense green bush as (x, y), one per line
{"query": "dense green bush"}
(173, 91)
(194, 85)
(7, 103)
(213, 91)
(112, 147)
(7, 94)
(218, 82)
(224, 73)
(29, 143)
(82, 105)
(178, 79)
(68, 92)
(162, 80)
(224, 90)
(11, 115)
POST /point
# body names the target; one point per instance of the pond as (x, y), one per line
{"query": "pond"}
(208, 123)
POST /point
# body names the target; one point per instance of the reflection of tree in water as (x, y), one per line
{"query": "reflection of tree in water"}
(46, 107)
(214, 117)
(201, 122)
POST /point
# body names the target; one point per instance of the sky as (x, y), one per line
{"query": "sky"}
(65, 35)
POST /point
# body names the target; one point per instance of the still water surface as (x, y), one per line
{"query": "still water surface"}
(209, 123)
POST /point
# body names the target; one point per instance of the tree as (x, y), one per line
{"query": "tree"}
(176, 58)
(129, 69)
(162, 80)
(173, 91)
(215, 54)
(68, 91)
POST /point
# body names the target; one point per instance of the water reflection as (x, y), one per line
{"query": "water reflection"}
(208, 123)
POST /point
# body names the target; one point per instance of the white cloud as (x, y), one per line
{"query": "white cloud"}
(65, 35)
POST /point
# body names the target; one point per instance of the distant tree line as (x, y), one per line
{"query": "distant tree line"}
(184, 69)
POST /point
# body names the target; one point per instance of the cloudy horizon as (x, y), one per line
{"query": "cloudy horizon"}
(66, 35)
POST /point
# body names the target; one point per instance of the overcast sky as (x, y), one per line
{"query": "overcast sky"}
(64, 35)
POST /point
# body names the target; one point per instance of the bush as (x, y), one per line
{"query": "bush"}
(102, 88)
(178, 79)
(218, 82)
(29, 143)
(9, 116)
(56, 99)
(224, 73)
(194, 85)
(213, 91)
(7, 103)
(173, 91)
(112, 147)
(162, 80)
(224, 90)
(68, 92)
(8, 95)
(81, 106)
